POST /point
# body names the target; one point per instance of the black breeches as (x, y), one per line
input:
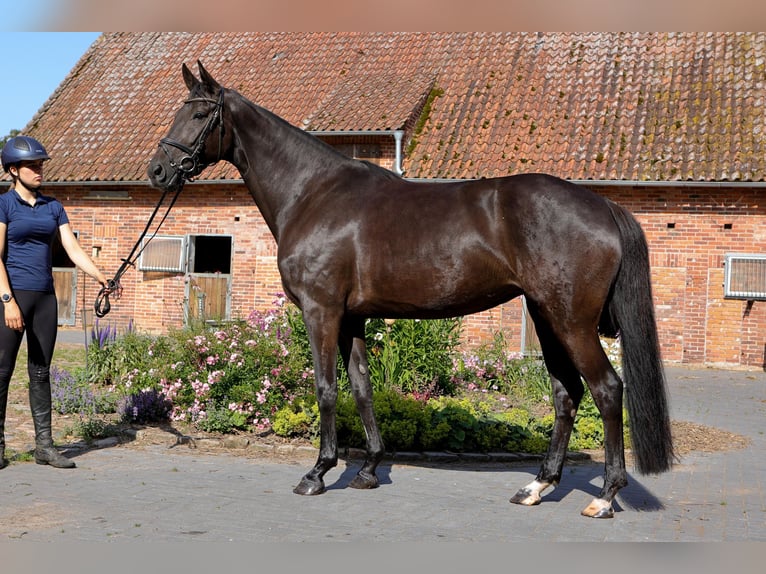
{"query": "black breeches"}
(40, 312)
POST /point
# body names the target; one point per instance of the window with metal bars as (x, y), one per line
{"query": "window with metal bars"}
(163, 253)
(745, 276)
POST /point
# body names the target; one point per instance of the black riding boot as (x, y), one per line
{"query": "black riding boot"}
(40, 404)
(3, 403)
(3, 460)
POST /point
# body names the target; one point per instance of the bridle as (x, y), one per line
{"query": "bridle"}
(189, 166)
(184, 170)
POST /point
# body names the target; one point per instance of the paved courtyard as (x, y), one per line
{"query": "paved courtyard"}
(177, 494)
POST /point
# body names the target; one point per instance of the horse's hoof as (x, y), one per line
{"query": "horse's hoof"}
(364, 481)
(526, 497)
(599, 509)
(308, 487)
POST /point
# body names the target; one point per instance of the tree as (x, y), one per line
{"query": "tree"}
(13, 134)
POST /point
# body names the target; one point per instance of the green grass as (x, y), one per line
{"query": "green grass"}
(65, 356)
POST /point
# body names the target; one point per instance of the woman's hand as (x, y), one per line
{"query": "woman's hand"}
(13, 318)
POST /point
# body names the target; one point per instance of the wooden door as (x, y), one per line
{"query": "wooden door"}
(65, 285)
(207, 297)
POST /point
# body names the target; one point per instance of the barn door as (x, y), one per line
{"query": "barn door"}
(64, 282)
(65, 285)
(208, 285)
(530, 345)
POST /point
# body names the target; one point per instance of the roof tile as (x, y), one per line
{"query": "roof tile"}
(602, 106)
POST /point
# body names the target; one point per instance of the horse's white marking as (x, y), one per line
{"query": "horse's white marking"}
(530, 494)
(599, 508)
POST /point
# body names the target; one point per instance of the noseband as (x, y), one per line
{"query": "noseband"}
(189, 165)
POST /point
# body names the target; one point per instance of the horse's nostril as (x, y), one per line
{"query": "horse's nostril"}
(157, 170)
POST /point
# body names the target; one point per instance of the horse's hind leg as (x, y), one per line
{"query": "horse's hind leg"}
(567, 391)
(354, 353)
(584, 349)
(606, 388)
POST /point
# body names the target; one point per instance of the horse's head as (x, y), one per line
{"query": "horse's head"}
(197, 137)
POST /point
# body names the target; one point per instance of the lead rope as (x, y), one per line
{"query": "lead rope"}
(102, 306)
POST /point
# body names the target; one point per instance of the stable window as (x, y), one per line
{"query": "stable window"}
(745, 276)
(163, 253)
(209, 254)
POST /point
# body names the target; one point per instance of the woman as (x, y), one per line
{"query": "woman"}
(29, 222)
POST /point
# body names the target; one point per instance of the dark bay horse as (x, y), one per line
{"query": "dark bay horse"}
(357, 241)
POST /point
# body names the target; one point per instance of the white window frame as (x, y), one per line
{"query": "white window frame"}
(154, 259)
(750, 265)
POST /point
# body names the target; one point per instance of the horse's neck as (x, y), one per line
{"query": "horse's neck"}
(276, 162)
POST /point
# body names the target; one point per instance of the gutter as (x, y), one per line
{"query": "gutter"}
(637, 183)
(583, 182)
(627, 183)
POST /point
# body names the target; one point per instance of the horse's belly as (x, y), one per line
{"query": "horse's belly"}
(429, 298)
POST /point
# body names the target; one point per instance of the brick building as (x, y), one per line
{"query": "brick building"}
(669, 125)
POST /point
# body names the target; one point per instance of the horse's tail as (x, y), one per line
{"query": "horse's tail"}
(631, 315)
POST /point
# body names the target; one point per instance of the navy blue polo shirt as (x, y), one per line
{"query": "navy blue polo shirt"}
(30, 233)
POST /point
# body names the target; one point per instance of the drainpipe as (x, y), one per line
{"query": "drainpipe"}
(398, 135)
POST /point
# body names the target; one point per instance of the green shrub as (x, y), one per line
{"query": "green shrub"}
(92, 428)
(126, 361)
(400, 418)
(219, 419)
(411, 355)
(491, 367)
(348, 423)
(298, 419)
(443, 423)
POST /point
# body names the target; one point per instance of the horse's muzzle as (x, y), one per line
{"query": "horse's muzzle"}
(162, 176)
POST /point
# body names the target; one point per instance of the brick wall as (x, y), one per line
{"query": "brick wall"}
(689, 231)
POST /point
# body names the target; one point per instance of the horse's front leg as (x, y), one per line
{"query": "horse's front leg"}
(354, 352)
(323, 336)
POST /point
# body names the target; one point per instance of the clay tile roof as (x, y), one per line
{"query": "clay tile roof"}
(601, 106)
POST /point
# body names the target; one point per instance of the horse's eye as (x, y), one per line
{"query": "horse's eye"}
(200, 115)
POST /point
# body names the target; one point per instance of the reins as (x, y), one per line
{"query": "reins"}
(102, 306)
(185, 169)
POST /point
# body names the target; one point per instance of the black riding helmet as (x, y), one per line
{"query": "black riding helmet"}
(22, 148)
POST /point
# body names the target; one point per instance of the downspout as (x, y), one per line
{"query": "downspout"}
(398, 136)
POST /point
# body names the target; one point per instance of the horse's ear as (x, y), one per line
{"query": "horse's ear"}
(206, 78)
(189, 78)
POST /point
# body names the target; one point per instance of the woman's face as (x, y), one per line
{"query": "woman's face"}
(30, 173)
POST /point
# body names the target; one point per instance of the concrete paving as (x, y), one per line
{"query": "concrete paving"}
(156, 493)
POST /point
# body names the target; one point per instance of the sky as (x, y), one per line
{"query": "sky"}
(34, 65)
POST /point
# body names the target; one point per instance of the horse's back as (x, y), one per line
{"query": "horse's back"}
(393, 247)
